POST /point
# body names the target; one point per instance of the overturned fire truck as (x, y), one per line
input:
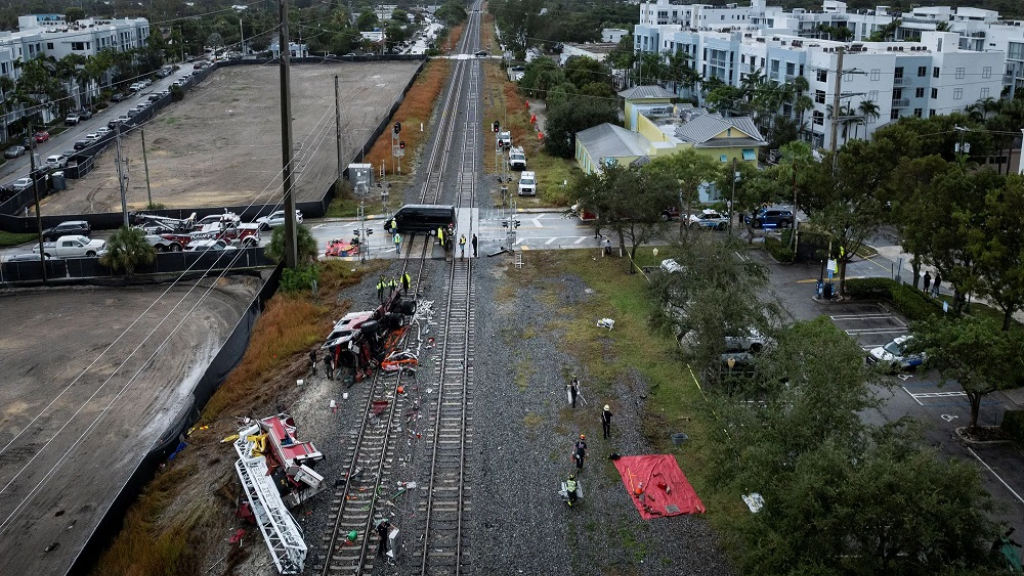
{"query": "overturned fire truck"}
(361, 342)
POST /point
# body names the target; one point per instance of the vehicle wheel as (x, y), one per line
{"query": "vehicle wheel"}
(720, 227)
(756, 224)
(785, 224)
(249, 243)
(755, 348)
(175, 247)
(160, 248)
(90, 254)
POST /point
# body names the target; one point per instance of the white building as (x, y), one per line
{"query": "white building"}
(596, 51)
(613, 35)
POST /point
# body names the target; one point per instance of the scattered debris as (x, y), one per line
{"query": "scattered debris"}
(754, 501)
(606, 323)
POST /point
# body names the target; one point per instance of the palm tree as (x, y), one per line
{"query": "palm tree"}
(126, 249)
(803, 101)
(869, 112)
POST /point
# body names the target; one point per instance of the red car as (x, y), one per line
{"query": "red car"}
(41, 136)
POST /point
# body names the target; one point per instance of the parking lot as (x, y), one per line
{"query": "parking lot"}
(221, 145)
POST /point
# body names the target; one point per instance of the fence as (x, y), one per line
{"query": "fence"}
(72, 270)
(12, 212)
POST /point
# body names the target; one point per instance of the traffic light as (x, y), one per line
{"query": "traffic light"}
(497, 125)
(398, 127)
(401, 144)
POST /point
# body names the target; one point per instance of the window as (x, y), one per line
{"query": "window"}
(919, 93)
(748, 154)
(822, 75)
(960, 73)
(873, 95)
(895, 114)
(78, 45)
(917, 112)
(986, 72)
(935, 72)
(875, 74)
(49, 45)
(931, 113)
(899, 73)
(819, 117)
(984, 93)
(922, 71)
(897, 94)
(935, 93)
(958, 94)
(819, 96)
(790, 68)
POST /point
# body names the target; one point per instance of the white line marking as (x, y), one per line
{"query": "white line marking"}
(938, 394)
(550, 240)
(536, 222)
(911, 395)
(861, 316)
(580, 239)
(989, 468)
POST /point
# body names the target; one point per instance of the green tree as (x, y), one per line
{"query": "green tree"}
(628, 201)
(690, 170)
(306, 244)
(367, 21)
(908, 193)
(971, 351)
(127, 249)
(399, 15)
(1000, 253)
(74, 14)
(581, 71)
(451, 13)
(568, 118)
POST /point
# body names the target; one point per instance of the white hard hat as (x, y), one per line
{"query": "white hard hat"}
(606, 407)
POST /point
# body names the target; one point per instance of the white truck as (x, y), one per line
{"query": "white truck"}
(504, 140)
(517, 158)
(527, 184)
(73, 247)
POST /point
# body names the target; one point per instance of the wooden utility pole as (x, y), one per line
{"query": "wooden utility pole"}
(836, 103)
(35, 191)
(145, 164)
(291, 255)
(121, 179)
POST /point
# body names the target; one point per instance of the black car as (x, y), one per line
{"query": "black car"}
(84, 114)
(72, 227)
(82, 144)
(117, 97)
(770, 218)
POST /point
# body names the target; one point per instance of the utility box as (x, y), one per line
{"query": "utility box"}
(361, 178)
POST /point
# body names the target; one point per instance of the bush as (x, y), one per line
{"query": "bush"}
(1013, 424)
(101, 106)
(299, 279)
(177, 93)
(910, 302)
(781, 252)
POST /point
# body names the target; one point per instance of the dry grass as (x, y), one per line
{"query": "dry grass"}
(452, 41)
(165, 531)
(487, 32)
(416, 108)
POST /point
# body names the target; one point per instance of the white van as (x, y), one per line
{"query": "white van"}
(527, 184)
(517, 158)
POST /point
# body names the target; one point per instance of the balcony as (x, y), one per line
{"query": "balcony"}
(900, 81)
(900, 102)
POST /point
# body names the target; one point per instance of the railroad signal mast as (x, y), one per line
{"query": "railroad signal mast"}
(397, 147)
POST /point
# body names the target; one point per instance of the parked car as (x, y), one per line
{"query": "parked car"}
(20, 184)
(82, 144)
(92, 137)
(135, 87)
(276, 219)
(73, 247)
(770, 218)
(84, 114)
(71, 119)
(154, 97)
(895, 356)
(41, 136)
(14, 151)
(26, 257)
(117, 97)
(709, 219)
(102, 131)
(55, 161)
(112, 125)
(68, 154)
(69, 228)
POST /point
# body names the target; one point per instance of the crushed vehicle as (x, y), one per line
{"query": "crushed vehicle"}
(338, 248)
(361, 342)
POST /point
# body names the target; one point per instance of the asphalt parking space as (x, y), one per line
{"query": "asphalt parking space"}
(870, 325)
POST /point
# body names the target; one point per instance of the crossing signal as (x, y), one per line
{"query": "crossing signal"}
(398, 127)
(401, 144)
(497, 125)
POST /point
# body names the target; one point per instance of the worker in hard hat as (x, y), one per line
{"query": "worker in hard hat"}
(570, 489)
(580, 452)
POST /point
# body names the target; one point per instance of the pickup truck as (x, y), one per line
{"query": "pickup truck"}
(74, 246)
(517, 158)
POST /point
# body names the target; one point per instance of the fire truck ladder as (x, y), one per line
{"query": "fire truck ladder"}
(281, 532)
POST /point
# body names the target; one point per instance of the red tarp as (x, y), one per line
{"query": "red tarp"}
(665, 490)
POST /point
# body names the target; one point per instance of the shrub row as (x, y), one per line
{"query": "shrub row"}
(909, 301)
(781, 252)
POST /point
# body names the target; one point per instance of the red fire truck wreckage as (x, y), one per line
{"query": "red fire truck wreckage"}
(275, 467)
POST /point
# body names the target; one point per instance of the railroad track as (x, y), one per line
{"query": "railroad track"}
(357, 504)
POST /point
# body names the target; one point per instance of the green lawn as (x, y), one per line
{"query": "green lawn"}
(13, 239)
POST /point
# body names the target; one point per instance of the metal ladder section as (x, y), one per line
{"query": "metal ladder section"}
(448, 501)
(281, 532)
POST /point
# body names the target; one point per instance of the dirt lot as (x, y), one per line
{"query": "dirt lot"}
(221, 145)
(49, 504)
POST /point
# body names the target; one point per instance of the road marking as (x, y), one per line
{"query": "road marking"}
(580, 239)
(860, 316)
(876, 263)
(989, 468)
(911, 395)
(550, 240)
(938, 394)
(536, 222)
(949, 417)
(858, 331)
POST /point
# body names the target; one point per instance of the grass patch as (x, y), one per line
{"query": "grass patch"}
(171, 120)
(452, 41)
(524, 371)
(487, 33)
(14, 239)
(504, 103)
(533, 420)
(416, 108)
